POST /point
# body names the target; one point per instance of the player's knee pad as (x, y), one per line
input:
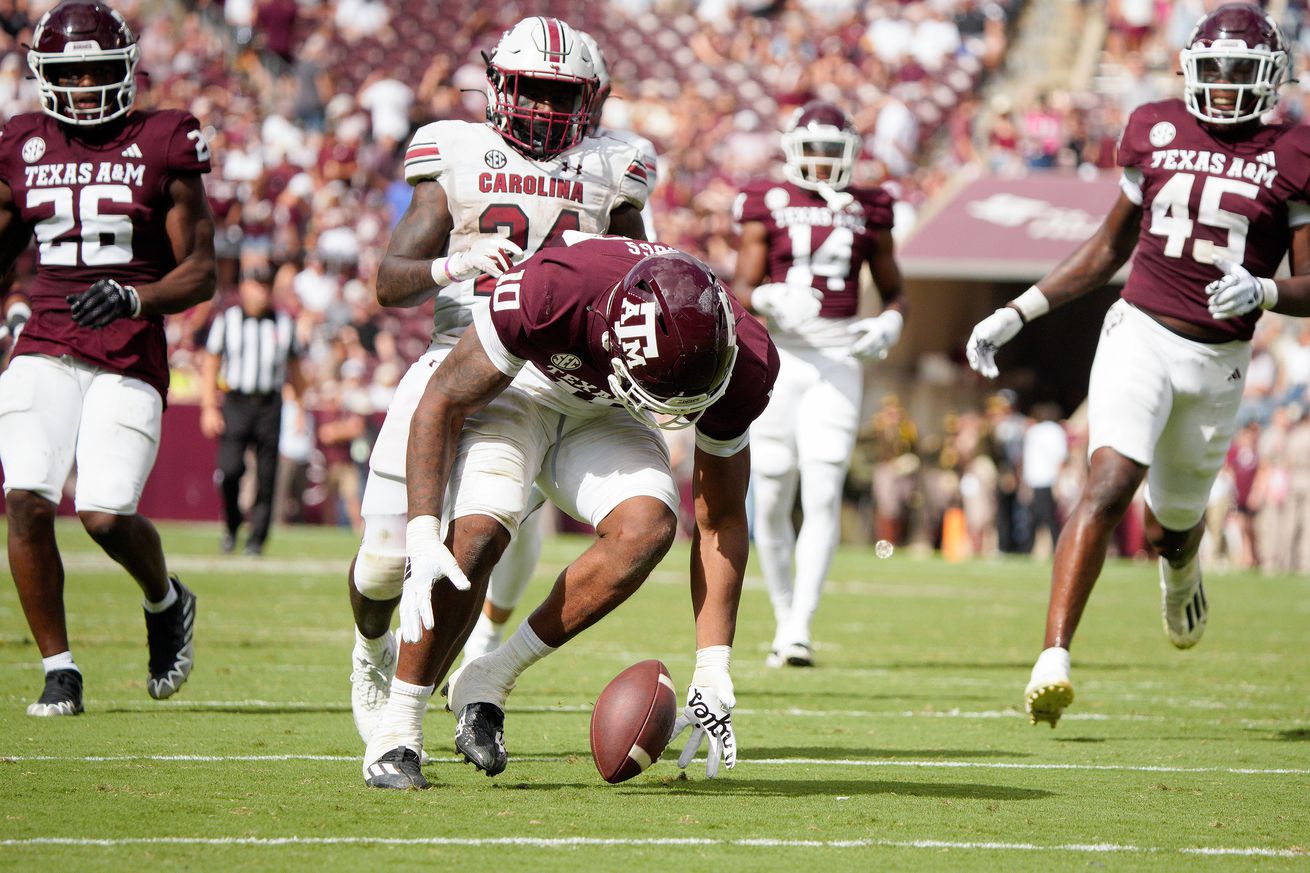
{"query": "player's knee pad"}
(379, 576)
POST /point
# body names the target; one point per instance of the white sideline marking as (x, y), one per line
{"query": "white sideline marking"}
(584, 842)
(769, 762)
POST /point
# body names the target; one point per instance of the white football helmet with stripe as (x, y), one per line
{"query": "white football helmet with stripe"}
(541, 81)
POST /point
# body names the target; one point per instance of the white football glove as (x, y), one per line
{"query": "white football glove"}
(492, 255)
(989, 335)
(874, 337)
(1238, 292)
(426, 560)
(788, 305)
(708, 712)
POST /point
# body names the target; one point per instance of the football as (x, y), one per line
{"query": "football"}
(632, 720)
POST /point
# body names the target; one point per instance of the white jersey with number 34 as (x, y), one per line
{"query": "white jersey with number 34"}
(493, 189)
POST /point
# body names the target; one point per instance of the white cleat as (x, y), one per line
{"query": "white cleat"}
(1182, 603)
(1049, 690)
(370, 684)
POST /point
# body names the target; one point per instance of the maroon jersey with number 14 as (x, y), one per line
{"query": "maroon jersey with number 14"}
(1207, 191)
(810, 243)
(96, 200)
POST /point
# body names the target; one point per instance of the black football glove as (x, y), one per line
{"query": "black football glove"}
(105, 301)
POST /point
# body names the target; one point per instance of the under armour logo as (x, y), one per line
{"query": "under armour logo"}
(1236, 375)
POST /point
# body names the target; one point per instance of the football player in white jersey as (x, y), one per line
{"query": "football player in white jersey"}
(514, 570)
(485, 196)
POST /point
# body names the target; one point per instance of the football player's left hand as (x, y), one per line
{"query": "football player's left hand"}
(104, 302)
(874, 337)
(426, 560)
(1238, 292)
(708, 713)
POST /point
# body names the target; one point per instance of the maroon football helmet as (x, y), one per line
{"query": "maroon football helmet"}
(72, 40)
(1233, 64)
(820, 136)
(671, 337)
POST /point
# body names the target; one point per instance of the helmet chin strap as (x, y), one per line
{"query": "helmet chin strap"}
(837, 200)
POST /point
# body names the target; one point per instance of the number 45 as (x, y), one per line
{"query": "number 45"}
(1171, 216)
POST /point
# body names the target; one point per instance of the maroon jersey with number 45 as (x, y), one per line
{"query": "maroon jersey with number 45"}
(1208, 191)
(810, 243)
(96, 200)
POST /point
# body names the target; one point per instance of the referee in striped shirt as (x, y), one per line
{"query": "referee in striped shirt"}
(251, 353)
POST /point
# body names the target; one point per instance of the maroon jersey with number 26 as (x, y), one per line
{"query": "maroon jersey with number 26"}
(96, 200)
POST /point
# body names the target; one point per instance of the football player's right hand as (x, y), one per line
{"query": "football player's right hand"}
(104, 302)
(787, 305)
(426, 560)
(989, 335)
(491, 255)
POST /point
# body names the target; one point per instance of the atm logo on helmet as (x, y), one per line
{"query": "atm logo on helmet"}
(636, 331)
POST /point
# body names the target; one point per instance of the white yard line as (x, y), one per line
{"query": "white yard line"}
(886, 763)
(606, 842)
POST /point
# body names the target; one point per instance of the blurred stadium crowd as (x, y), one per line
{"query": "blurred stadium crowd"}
(308, 105)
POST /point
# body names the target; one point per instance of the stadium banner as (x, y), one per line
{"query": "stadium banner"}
(1007, 229)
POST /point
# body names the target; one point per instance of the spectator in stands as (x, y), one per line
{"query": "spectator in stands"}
(338, 426)
(1045, 449)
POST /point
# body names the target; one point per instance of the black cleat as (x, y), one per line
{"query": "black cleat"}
(398, 769)
(480, 736)
(228, 544)
(797, 655)
(253, 549)
(168, 634)
(62, 695)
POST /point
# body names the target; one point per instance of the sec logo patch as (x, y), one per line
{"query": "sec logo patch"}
(776, 198)
(33, 149)
(565, 362)
(495, 159)
(1162, 134)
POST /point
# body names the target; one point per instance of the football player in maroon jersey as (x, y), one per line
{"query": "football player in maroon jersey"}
(598, 337)
(1211, 198)
(124, 236)
(804, 244)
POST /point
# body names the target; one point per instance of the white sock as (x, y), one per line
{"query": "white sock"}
(485, 638)
(170, 598)
(524, 649)
(374, 648)
(62, 661)
(402, 721)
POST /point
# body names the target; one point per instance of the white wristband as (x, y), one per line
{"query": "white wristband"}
(440, 270)
(1271, 293)
(719, 657)
(1031, 304)
(423, 533)
(135, 299)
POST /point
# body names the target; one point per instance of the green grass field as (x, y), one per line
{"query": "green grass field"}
(905, 749)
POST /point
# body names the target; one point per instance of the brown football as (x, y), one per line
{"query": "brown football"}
(632, 720)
